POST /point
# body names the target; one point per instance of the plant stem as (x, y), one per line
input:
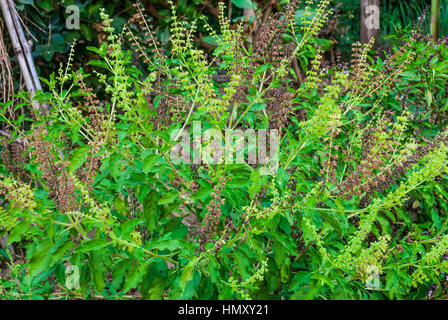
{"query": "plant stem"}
(435, 11)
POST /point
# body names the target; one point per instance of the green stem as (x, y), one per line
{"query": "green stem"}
(435, 11)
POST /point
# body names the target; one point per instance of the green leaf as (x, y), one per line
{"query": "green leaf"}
(87, 32)
(151, 210)
(45, 51)
(245, 4)
(94, 49)
(149, 162)
(118, 23)
(115, 165)
(258, 107)
(169, 198)
(187, 274)
(155, 292)
(40, 261)
(78, 158)
(263, 68)
(121, 206)
(98, 271)
(92, 245)
(301, 14)
(18, 232)
(282, 178)
(435, 218)
(428, 97)
(59, 253)
(284, 270)
(243, 264)
(203, 193)
(169, 244)
(46, 5)
(57, 43)
(213, 269)
(210, 40)
(331, 221)
(430, 132)
(98, 63)
(409, 75)
(154, 280)
(134, 278)
(325, 44)
(257, 182)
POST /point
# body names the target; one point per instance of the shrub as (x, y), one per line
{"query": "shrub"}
(355, 209)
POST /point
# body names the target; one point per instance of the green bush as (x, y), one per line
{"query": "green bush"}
(356, 209)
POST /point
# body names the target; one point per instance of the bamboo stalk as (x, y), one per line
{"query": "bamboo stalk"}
(249, 12)
(21, 49)
(367, 32)
(435, 13)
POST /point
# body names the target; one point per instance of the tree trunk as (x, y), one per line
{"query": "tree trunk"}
(435, 12)
(21, 49)
(370, 21)
(249, 13)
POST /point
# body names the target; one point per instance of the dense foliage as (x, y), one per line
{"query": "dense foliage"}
(96, 207)
(45, 22)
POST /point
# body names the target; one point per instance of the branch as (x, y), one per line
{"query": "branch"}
(5, 134)
(21, 49)
(297, 71)
(266, 15)
(211, 9)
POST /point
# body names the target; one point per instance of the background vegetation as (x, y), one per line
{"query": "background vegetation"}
(93, 207)
(45, 20)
